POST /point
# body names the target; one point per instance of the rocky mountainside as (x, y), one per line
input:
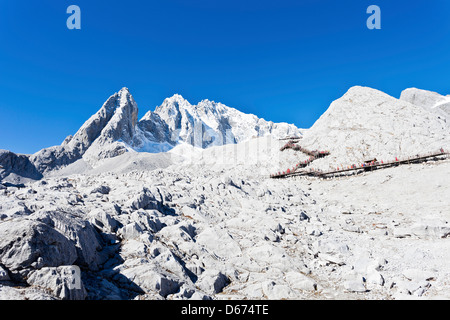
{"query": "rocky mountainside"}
(195, 223)
(213, 124)
(189, 232)
(104, 134)
(114, 130)
(366, 123)
(17, 166)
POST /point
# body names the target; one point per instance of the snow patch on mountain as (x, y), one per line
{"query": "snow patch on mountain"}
(211, 123)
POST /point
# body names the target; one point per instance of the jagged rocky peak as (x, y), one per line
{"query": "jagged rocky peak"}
(119, 109)
(173, 105)
(119, 131)
(122, 123)
(211, 123)
(114, 121)
(172, 110)
(114, 129)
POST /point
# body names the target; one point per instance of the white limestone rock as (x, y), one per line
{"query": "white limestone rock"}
(419, 275)
(212, 282)
(218, 242)
(23, 242)
(63, 282)
(144, 278)
(300, 281)
(355, 285)
(431, 101)
(275, 291)
(78, 230)
(130, 231)
(103, 220)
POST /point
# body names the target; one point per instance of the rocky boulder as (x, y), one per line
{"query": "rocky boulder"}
(63, 282)
(33, 244)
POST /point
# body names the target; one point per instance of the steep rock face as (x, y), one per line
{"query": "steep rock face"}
(153, 134)
(80, 232)
(118, 132)
(366, 123)
(114, 121)
(211, 124)
(115, 129)
(32, 244)
(17, 165)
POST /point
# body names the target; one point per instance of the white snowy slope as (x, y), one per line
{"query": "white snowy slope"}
(431, 101)
(366, 123)
(257, 157)
(195, 231)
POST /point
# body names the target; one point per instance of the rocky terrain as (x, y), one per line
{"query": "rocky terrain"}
(366, 123)
(209, 223)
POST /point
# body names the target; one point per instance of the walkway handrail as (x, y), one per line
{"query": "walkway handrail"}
(353, 167)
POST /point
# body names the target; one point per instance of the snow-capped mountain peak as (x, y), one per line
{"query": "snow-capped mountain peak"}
(114, 129)
(211, 123)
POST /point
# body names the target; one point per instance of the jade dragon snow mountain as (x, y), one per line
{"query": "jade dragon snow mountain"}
(179, 205)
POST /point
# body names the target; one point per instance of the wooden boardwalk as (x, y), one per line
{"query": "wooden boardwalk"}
(374, 165)
(313, 155)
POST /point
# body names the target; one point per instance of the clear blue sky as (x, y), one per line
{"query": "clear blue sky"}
(281, 60)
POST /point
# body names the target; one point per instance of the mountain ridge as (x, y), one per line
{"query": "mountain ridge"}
(363, 123)
(366, 123)
(115, 129)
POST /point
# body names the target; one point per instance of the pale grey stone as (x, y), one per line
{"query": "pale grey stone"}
(299, 281)
(23, 242)
(212, 281)
(356, 285)
(63, 282)
(75, 228)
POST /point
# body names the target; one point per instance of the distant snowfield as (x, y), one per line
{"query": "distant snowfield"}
(259, 156)
(124, 163)
(195, 223)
